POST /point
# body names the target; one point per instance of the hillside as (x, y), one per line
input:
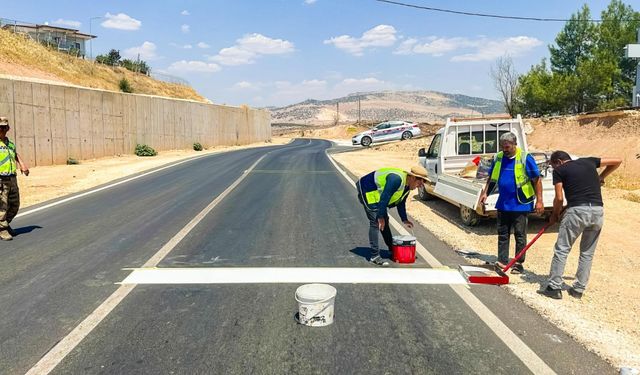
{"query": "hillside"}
(20, 56)
(420, 106)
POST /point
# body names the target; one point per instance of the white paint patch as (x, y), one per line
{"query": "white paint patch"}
(293, 275)
(513, 342)
(50, 360)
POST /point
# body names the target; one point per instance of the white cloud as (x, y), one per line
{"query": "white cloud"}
(185, 29)
(234, 56)
(309, 2)
(69, 23)
(481, 48)
(184, 66)
(146, 51)
(251, 46)
(121, 21)
(203, 45)
(185, 13)
(244, 85)
(379, 36)
(488, 50)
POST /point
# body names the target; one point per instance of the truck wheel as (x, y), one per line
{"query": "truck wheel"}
(406, 135)
(424, 195)
(469, 217)
(365, 141)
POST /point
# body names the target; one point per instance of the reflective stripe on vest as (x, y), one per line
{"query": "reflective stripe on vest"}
(380, 177)
(8, 165)
(524, 187)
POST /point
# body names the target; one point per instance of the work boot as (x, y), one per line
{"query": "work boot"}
(574, 293)
(551, 293)
(518, 268)
(5, 236)
(379, 261)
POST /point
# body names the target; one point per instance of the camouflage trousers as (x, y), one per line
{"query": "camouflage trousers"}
(9, 200)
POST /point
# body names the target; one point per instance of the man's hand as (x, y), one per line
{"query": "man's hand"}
(483, 198)
(539, 207)
(381, 223)
(408, 223)
(24, 171)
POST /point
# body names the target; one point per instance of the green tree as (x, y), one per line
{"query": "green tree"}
(618, 28)
(112, 58)
(574, 43)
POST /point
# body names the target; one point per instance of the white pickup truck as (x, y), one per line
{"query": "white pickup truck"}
(459, 143)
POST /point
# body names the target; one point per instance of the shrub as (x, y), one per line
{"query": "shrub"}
(125, 86)
(197, 146)
(72, 161)
(144, 150)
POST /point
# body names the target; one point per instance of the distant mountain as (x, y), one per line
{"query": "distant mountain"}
(419, 106)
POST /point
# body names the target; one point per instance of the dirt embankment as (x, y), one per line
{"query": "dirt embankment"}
(23, 57)
(606, 319)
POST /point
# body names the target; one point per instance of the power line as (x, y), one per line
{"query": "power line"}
(480, 14)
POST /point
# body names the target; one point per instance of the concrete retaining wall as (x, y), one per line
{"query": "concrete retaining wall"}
(52, 123)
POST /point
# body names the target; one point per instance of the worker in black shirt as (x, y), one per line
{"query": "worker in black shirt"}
(580, 182)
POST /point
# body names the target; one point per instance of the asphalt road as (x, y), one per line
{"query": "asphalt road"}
(292, 210)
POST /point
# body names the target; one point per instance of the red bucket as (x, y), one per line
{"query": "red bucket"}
(403, 249)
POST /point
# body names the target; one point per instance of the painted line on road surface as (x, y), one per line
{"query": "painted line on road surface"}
(508, 337)
(50, 360)
(283, 275)
(28, 212)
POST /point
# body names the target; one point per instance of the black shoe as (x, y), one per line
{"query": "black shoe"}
(11, 231)
(551, 293)
(378, 261)
(518, 268)
(574, 293)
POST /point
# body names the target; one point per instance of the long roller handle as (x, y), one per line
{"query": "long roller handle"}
(524, 250)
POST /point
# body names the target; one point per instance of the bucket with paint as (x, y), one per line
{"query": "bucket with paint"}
(403, 249)
(315, 304)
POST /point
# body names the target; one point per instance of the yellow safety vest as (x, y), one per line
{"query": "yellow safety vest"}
(523, 183)
(8, 165)
(380, 177)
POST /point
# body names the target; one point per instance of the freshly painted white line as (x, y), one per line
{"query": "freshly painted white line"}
(283, 275)
(50, 360)
(511, 340)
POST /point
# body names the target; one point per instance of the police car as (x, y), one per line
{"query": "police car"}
(387, 131)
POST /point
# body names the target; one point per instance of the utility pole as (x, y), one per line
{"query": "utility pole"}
(91, 40)
(337, 112)
(358, 110)
(632, 51)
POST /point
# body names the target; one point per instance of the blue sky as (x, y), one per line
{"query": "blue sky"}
(281, 52)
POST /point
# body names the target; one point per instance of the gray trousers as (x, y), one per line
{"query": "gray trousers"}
(585, 220)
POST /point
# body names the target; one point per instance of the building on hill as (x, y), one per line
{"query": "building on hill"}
(63, 39)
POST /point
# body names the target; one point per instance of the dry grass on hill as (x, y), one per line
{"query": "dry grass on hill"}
(21, 56)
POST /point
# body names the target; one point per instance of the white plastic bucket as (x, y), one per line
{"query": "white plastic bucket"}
(315, 304)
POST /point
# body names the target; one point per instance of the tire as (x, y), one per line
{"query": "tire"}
(406, 135)
(365, 141)
(424, 195)
(469, 217)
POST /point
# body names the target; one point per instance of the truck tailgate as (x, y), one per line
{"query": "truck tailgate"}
(457, 189)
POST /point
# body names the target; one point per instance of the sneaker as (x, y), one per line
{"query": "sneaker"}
(378, 261)
(574, 293)
(551, 293)
(517, 268)
(5, 236)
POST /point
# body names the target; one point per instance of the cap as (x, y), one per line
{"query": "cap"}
(418, 171)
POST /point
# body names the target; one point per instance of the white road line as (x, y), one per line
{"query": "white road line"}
(28, 212)
(290, 275)
(50, 360)
(510, 339)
